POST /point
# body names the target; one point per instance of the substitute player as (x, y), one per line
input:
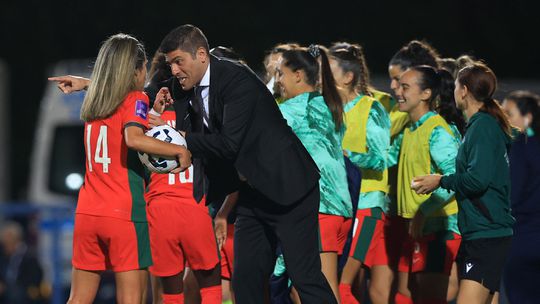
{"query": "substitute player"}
(317, 120)
(429, 222)
(366, 142)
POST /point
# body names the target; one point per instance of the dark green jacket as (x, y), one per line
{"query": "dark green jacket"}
(482, 180)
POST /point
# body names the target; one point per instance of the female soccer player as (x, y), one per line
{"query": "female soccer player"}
(366, 143)
(412, 54)
(181, 230)
(317, 120)
(429, 223)
(520, 274)
(111, 230)
(481, 184)
(271, 63)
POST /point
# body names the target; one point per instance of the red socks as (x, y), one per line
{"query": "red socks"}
(346, 294)
(402, 299)
(173, 298)
(211, 295)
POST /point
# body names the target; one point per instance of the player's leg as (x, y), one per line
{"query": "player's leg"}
(432, 265)
(130, 286)
(201, 252)
(89, 259)
(380, 284)
(329, 242)
(166, 228)
(472, 292)
(84, 286)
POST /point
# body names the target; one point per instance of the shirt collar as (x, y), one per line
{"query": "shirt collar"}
(205, 81)
(350, 104)
(422, 119)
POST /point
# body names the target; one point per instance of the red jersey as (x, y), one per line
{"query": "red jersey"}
(178, 186)
(114, 179)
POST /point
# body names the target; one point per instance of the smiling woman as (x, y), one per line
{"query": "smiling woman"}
(429, 145)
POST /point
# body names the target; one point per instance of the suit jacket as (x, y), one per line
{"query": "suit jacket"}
(249, 133)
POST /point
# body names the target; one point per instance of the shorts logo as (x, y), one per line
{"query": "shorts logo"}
(355, 227)
(468, 267)
(141, 109)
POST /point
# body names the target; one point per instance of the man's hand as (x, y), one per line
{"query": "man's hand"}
(220, 229)
(69, 84)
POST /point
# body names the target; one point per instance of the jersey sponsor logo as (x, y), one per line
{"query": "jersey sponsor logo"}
(468, 267)
(141, 109)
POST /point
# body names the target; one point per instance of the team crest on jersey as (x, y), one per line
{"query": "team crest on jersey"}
(141, 109)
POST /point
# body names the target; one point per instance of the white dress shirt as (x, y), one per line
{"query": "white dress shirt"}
(205, 81)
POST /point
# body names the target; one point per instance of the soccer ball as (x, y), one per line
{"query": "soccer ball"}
(160, 164)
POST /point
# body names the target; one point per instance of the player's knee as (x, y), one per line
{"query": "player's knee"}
(210, 277)
(76, 300)
(129, 298)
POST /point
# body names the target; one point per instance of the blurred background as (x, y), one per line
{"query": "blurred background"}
(41, 154)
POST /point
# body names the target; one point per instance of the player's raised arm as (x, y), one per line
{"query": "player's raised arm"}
(69, 83)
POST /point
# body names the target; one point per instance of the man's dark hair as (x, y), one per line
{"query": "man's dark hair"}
(187, 38)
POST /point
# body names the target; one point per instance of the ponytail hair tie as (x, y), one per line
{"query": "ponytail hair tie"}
(314, 50)
(489, 100)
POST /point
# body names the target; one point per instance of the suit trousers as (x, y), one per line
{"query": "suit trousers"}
(260, 225)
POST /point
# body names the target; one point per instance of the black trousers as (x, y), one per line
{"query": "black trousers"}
(260, 224)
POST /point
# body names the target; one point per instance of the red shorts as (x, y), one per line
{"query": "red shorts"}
(333, 232)
(369, 242)
(180, 233)
(106, 243)
(432, 253)
(227, 254)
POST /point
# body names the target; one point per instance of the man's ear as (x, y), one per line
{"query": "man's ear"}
(202, 55)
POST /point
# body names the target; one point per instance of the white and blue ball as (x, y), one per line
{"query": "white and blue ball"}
(157, 163)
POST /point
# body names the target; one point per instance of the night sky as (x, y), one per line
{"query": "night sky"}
(36, 34)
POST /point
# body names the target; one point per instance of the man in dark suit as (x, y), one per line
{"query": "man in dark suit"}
(237, 127)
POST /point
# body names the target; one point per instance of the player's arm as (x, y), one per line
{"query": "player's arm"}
(220, 222)
(137, 140)
(69, 83)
